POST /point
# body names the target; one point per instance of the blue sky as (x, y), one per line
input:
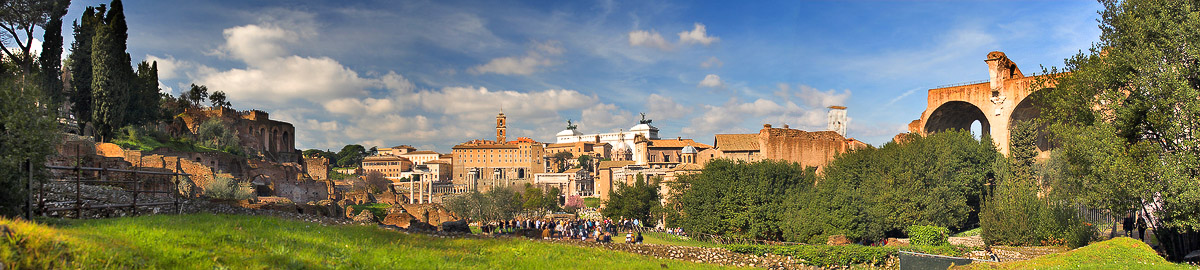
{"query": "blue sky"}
(433, 74)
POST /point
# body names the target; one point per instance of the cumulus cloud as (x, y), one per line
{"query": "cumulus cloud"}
(698, 35)
(649, 39)
(663, 107)
(809, 112)
(534, 59)
(712, 81)
(813, 97)
(712, 62)
(605, 118)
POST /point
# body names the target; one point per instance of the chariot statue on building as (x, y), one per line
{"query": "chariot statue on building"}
(644, 120)
(571, 126)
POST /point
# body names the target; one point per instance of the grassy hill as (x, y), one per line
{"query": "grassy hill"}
(208, 241)
(1117, 253)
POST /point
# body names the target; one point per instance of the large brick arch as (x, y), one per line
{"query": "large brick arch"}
(956, 115)
(995, 103)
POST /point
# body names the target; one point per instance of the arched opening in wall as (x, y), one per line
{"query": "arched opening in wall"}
(1028, 110)
(271, 147)
(285, 143)
(262, 131)
(976, 129)
(957, 115)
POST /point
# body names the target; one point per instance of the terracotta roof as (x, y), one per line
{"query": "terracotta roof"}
(572, 170)
(677, 143)
(423, 152)
(689, 167)
(378, 158)
(614, 164)
(737, 142)
(438, 161)
(485, 146)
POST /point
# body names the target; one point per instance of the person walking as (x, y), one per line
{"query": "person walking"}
(1127, 225)
(1141, 228)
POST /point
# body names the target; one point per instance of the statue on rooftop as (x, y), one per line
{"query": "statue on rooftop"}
(644, 121)
(571, 126)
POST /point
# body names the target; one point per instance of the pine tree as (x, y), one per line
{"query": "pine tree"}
(109, 94)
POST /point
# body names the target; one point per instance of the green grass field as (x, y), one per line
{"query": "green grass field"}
(207, 241)
(671, 239)
(1117, 253)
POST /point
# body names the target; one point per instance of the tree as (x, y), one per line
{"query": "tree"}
(144, 99)
(27, 133)
(535, 199)
(213, 133)
(501, 203)
(1014, 214)
(50, 60)
(584, 162)
(872, 193)
(1126, 115)
(376, 183)
(18, 18)
(560, 160)
(635, 201)
(753, 208)
(351, 155)
(110, 95)
(218, 100)
(80, 63)
(196, 95)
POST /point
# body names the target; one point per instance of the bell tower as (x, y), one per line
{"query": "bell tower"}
(501, 128)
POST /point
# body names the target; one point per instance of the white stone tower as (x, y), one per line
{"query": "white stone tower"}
(837, 119)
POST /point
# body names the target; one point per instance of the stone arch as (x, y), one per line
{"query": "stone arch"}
(272, 147)
(283, 142)
(1029, 109)
(956, 115)
(262, 132)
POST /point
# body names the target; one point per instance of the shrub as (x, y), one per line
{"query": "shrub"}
(592, 202)
(226, 188)
(928, 235)
(822, 255)
(826, 256)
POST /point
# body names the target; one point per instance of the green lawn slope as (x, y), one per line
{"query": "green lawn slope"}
(207, 241)
(1118, 253)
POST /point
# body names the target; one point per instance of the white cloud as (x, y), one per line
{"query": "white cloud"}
(712, 62)
(713, 81)
(810, 113)
(523, 65)
(649, 39)
(169, 67)
(663, 107)
(815, 98)
(697, 35)
(605, 117)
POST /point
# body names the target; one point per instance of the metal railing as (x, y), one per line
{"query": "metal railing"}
(135, 187)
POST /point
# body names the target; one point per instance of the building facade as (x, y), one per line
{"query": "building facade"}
(810, 149)
(484, 164)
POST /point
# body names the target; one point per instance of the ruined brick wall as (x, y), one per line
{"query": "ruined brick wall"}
(810, 149)
(317, 167)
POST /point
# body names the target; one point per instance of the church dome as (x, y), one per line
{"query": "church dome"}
(689, 150)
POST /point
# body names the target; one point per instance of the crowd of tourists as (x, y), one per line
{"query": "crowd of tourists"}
(601, 231)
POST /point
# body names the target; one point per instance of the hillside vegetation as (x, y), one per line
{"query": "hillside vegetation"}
(1118, 253)
(208, 241)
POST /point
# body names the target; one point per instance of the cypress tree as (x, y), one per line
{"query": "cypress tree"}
(144, 97)
(109, 93)
(50, 59)
(81, 63)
